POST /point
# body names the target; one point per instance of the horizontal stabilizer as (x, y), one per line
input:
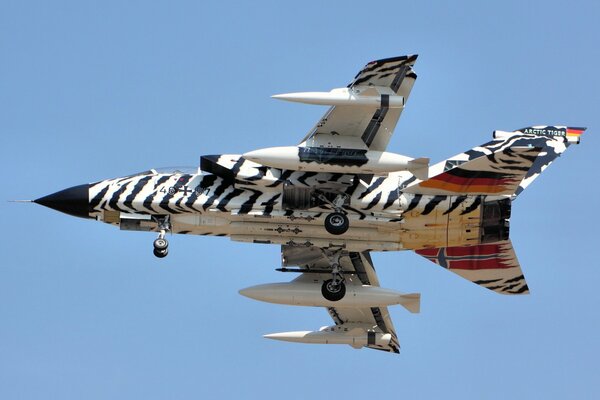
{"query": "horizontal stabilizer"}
(493, 266)
(499, 174)
(502, 167)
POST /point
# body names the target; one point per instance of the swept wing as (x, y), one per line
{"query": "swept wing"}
(358, 269)
(364, 126)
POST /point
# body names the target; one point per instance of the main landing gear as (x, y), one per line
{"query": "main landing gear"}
(161, 245)
(337, 222)
(334, 289)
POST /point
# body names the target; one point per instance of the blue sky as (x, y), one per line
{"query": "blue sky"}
(92, 90)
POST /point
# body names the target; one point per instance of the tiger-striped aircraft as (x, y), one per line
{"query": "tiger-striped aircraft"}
(338, 196)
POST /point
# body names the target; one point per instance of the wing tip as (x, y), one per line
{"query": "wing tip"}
(410, 57)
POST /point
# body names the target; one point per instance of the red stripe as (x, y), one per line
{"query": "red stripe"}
(575, 131)
(428, 252)
(494, 263)
(481, 250)
(457, 180)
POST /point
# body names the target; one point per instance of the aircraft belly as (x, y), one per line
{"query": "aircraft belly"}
(347, 244)
(278, 230)
(315, 230)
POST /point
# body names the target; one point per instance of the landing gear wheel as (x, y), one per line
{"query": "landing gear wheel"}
(336, 223)
(333, 292)
(161, 244)
(161, 253)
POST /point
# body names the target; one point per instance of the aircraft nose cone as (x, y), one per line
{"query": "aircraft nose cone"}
(73, 201)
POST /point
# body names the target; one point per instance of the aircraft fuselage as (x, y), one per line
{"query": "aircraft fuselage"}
(282, 208)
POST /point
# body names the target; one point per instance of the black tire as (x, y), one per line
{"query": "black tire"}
(161, 244)
(333, 294)
(336, 223)
(161, 253)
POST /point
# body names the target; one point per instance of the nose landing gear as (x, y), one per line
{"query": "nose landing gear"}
(161, 245)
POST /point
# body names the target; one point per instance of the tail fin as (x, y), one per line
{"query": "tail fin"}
(504, 166)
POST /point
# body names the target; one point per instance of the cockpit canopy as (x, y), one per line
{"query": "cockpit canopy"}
(168, 170)
(176, 170)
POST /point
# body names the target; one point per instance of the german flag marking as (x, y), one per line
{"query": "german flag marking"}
(464, 181)
(575, 131)
(480, 257)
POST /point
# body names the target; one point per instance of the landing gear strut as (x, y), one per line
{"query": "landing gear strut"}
(336, 223)
(161, 245)
(334, 289)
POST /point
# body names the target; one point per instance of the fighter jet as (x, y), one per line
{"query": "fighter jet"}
(338, 196)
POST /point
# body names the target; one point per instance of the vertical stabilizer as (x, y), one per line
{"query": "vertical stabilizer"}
(505, 166)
